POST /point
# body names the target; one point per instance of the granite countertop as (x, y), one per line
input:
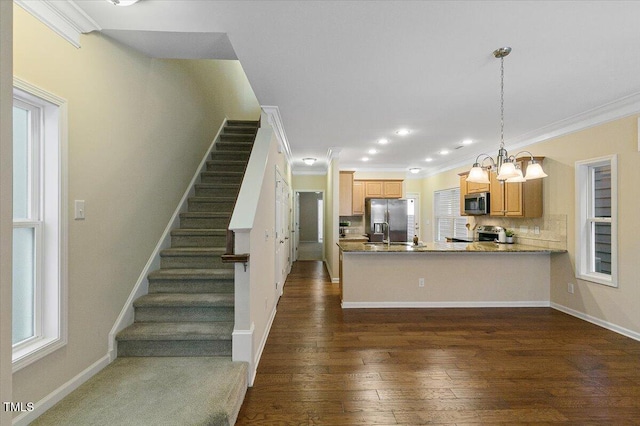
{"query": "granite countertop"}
(475, 247)
(347, 237)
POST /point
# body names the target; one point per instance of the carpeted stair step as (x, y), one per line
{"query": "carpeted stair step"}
(230, 155)
(226, 165)
(184, 307)
(176, 339)
(234, 146)
(191, 281)
(217, 190)
(243, 123)
(211, 204)
(236, 138)
(193, 258)
(185, 237)
(221, 177)
(204, 220)
(146, 391)
(244, 130)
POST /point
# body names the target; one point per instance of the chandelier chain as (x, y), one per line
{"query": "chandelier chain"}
(502, 102)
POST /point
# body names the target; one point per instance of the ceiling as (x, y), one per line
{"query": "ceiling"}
(347, 73)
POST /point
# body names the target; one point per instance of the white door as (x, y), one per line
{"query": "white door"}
(296, 228)
(282, 232)
(413, 215)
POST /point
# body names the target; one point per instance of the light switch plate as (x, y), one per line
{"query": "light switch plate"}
(79, 210)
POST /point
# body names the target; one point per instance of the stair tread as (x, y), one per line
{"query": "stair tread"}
(210, 199)
(224, 162)
(192, 251)
(205, 214)
(198, 232)
(224, 300)
(177, 331)
(171, 274)
(223, 172)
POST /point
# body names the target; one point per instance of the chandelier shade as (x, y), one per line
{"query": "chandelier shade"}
(504, 164)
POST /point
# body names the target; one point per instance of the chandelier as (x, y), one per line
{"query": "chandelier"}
(504, 165)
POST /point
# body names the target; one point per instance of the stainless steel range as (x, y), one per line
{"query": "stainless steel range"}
(487, 233)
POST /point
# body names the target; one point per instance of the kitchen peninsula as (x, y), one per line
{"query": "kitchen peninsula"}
(478, 274)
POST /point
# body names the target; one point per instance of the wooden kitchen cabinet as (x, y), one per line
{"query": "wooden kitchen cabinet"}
(470, 188)
(517, 199)
(383, 188)
(357, 199)
(345, 207)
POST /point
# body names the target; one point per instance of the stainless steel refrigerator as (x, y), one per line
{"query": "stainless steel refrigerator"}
(378, 212)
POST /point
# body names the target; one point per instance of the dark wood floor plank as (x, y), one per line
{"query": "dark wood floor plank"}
(323, 365)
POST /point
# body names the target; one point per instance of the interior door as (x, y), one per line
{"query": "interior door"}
(282, 232)
(413, 215)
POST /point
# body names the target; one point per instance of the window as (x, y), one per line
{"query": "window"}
(448, 221)
(39, 242)
(596, 220)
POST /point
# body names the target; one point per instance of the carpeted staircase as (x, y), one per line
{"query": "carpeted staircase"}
(174, 363)
(189, 308)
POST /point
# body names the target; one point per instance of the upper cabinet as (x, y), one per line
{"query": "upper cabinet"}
(353, 192)
(346, 194)
(358, 198)
(383, 188)
(516, 199)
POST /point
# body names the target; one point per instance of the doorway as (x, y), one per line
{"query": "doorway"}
(310, 225)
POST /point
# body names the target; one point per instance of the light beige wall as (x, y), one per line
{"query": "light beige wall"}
(138, 128)
(332, 219)
(263, 271)
(6, 210)
(614, 305)
(215, 78)
(310, 182)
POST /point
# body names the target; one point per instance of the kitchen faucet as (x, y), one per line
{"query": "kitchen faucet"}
(386, 225)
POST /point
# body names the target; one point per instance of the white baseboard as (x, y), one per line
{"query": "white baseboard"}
(263, 342)
(242, 350)
(597, 321)
(56, 396)
(487, 304)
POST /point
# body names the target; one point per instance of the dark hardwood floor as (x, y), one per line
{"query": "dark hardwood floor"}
(325, 365)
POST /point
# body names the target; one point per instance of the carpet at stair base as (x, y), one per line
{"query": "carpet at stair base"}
(156, 391)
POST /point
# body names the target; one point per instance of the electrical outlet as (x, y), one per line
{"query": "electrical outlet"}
(536, 230)
(420, 282)
(570, 287)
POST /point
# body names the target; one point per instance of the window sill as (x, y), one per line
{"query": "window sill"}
(599, 279)
(33, 352)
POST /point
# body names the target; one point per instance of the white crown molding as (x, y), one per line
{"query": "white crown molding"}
(299, 172)
(63, 16)
(275, 119)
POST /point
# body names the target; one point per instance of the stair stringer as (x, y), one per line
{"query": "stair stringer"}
(141, 288)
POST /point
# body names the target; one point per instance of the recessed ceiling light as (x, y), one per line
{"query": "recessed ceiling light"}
(122, 2)
(444, 152)
(383, 141)
(467, 142)
(365, 158)
(414, 170)
(428, 159)
(403, 132)
(372, 151)
(309, 161)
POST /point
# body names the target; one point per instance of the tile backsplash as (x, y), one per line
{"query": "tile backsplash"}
(356, 225)
(552, 229)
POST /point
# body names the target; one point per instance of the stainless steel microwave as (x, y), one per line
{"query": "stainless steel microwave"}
(476, 204)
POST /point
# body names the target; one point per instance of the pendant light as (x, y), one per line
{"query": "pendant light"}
(504, 164)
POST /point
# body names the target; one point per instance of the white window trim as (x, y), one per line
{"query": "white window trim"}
(583, 219)
(53, 334)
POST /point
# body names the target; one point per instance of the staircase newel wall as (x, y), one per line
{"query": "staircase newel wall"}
(253, 222)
